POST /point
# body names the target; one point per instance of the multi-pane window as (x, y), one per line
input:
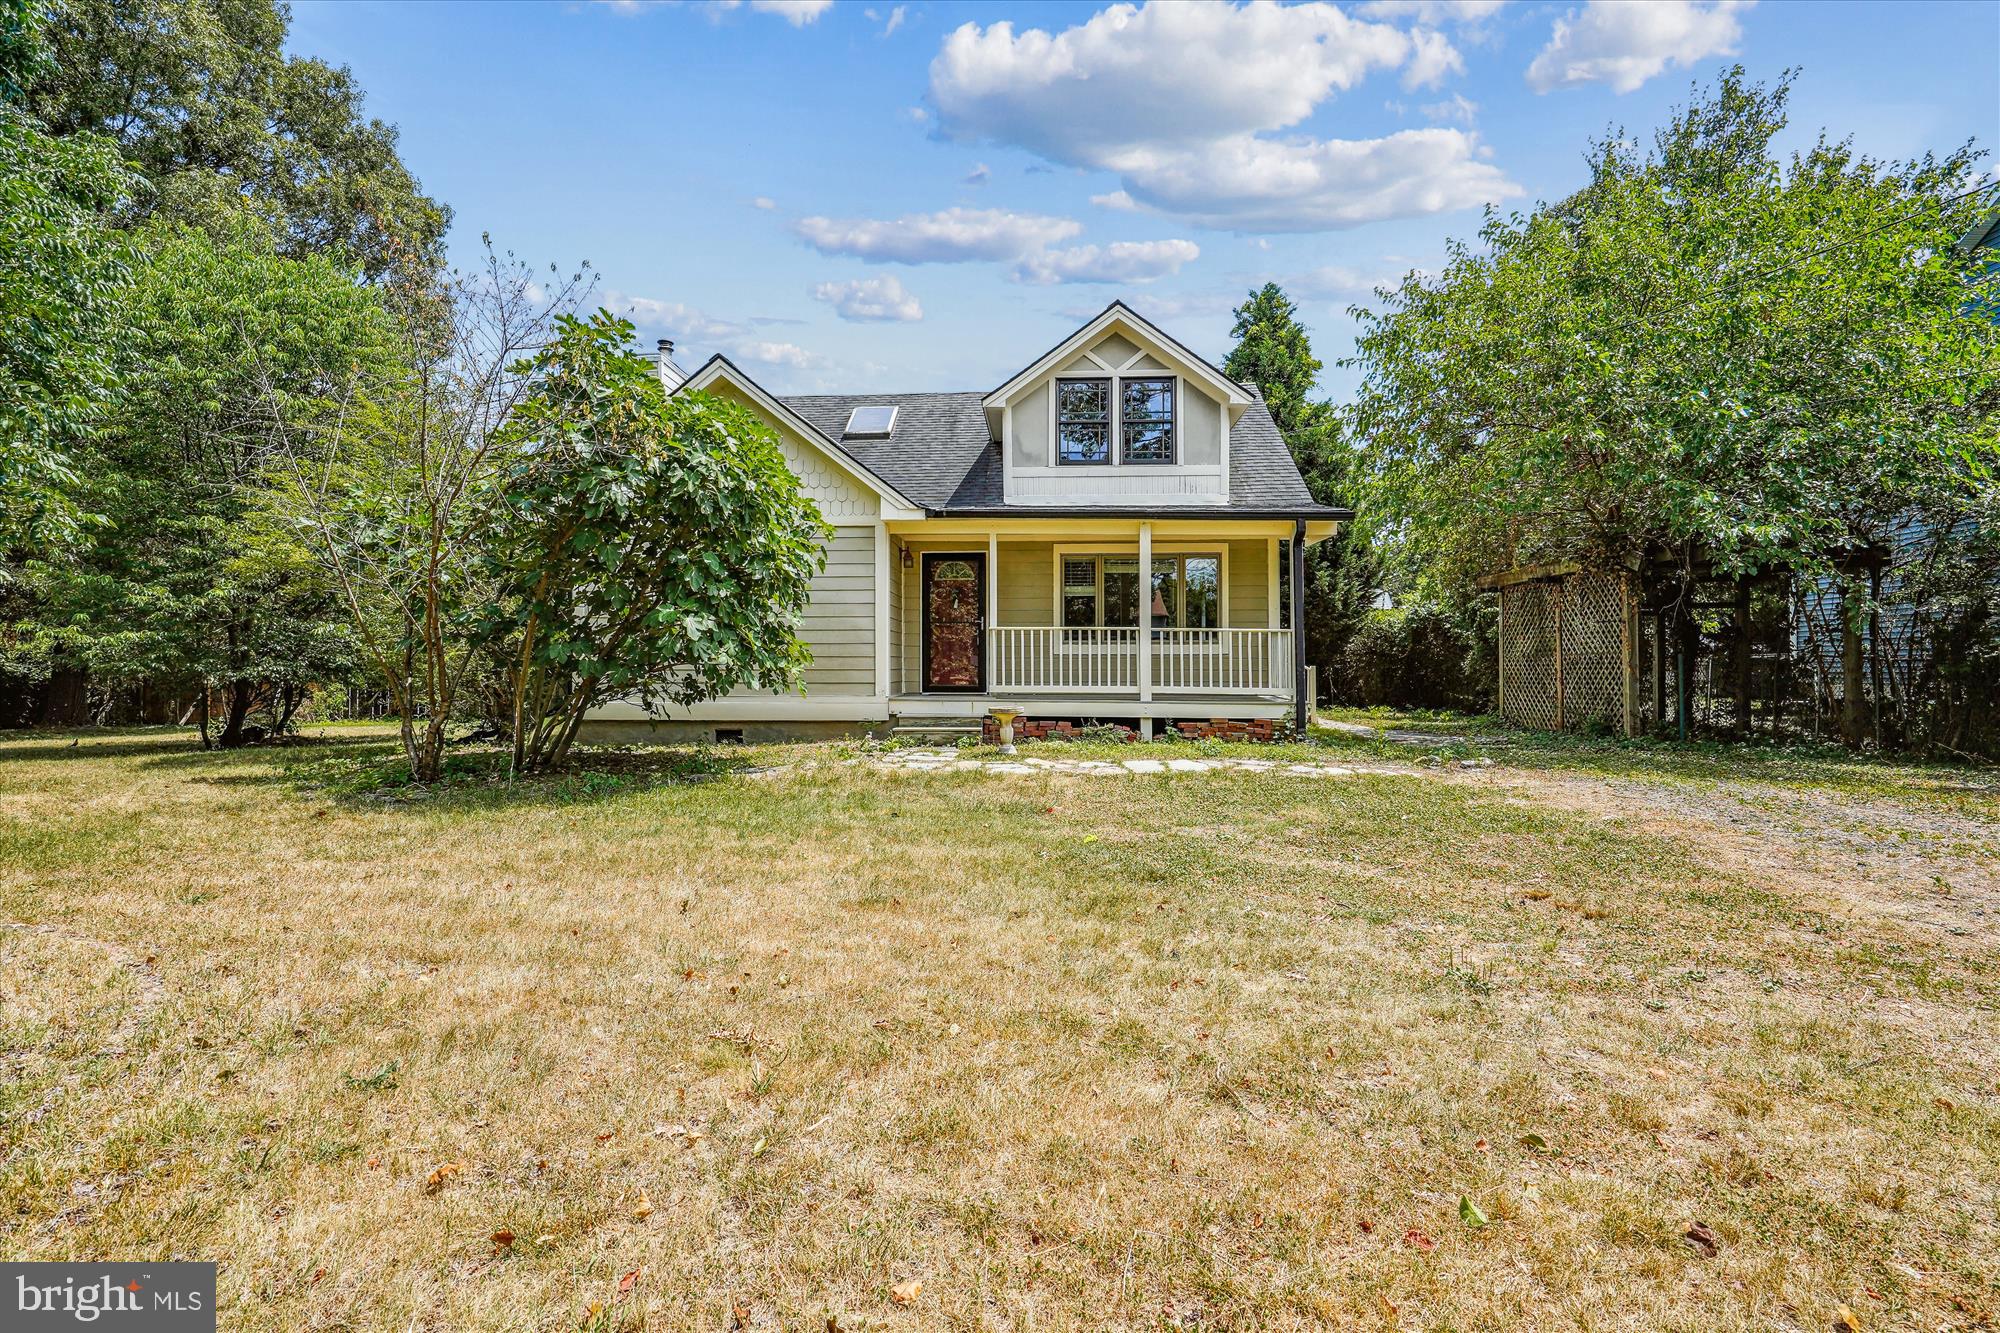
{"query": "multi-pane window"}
(1083, 421)
(1146, 419)
(1105, 590)
(1143, 420)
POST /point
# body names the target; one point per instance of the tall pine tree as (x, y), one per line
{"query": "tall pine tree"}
(1274, 352)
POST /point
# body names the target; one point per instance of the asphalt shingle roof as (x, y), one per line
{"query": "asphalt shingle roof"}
(942, 456)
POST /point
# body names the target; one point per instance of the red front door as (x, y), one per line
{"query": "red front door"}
(954, 622)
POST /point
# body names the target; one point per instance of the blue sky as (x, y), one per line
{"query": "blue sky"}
(880, 196)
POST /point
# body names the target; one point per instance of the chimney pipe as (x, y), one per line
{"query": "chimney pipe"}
(671, 375)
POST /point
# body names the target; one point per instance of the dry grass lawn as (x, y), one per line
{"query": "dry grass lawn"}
(1188, 1051)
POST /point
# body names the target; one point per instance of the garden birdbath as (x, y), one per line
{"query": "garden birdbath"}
(1005, 717)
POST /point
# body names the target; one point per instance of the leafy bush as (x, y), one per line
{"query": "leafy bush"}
(1417, 657)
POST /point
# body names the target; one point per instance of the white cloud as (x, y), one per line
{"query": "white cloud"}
(1433, 13)
(1625, 44)
(764, 202)
(1250, 184)
(1458, 107)
(1121, 261)
(1117, 201)
(952, 236)
(798, 13)
(1433, 57)
(733, 338)
(870, 300)
(895, 20)
(1174, 98)
(919, 114)
(979, 175)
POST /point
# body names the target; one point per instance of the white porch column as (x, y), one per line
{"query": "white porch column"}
(992, 603)
(884, 571)
(1145, 613)
(1271, 603)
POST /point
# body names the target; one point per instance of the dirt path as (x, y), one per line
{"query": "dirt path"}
(1916, 863)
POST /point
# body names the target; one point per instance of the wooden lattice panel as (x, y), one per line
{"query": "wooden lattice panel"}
(1593, 650)
(1565, 649)
(1528, 654)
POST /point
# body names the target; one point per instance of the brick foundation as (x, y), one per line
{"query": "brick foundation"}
(1263, 730)
(1027, 730)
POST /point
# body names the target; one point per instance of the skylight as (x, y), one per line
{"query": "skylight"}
(870, 422)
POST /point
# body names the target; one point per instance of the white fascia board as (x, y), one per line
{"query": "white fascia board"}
(894, 503)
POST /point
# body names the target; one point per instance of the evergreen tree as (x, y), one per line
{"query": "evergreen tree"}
(1274, 352)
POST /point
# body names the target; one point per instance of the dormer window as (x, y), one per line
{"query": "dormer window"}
(1083, 421)
(1146, 419)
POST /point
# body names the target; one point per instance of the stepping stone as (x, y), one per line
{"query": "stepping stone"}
(1145, 766)
(1189, 765)
(1008, 768)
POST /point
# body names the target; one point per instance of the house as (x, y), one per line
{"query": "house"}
(1103, 537)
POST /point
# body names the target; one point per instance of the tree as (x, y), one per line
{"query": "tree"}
(641, 547)
(61, 271)
(1274, 352)
(186, 589)
(1701, 347)
(387, 481)
(1705, 355)
(202, 99)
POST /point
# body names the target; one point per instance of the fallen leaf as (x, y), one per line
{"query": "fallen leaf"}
(607, 1135)
(546, 1238)
(1388, 1306)
(1483, 1146)
(906, 1293)
(1366, 1226)
(642, 1209)
(1701, 1238)
(502, 1238)
(435, 1181)
(1419, 1240)
(1469, 1213)
(739, 1315)
(626, 1283)
(318, 1273)
(757, 1148)
(1845, 1318)
(1539, 1144)
(1535, 895)
(374, 1162)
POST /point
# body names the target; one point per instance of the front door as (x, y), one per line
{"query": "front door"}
(954, 622)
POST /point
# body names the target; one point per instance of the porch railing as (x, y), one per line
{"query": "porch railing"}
(1106, 660)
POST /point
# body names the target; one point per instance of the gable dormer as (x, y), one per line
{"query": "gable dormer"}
(1118, 413)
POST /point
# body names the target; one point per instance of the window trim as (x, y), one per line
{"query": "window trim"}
(1115, 417)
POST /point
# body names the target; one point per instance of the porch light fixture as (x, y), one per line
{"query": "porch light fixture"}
(907, 559)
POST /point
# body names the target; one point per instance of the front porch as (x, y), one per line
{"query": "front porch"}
(1051, 625)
